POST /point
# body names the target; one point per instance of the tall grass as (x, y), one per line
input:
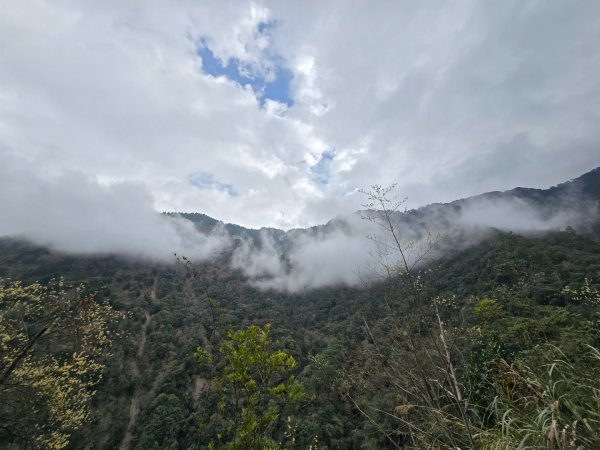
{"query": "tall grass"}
(553, 405)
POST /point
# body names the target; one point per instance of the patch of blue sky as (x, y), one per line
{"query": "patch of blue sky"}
(321, 170)
(277, 87)
(205, 180)
(213, 66)
(264, 27)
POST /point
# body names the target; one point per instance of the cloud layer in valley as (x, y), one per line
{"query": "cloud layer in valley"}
(351, 250)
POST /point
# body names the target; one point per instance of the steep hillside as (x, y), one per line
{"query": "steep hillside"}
(507, 301)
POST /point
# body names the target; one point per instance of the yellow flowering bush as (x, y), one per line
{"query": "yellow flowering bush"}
(53, 339)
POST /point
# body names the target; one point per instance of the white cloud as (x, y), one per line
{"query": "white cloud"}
(315, 257)
(448, 99)
(74, 214)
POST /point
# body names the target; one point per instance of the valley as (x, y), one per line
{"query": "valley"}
(506, 298)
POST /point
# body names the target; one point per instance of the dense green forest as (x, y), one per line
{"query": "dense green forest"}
(518, 319)
(488, 343)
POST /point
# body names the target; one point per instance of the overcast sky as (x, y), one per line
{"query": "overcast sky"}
(275, 113)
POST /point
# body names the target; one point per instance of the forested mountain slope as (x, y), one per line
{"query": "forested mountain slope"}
(506, 305)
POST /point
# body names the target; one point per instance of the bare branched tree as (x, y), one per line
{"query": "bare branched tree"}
(415, 358)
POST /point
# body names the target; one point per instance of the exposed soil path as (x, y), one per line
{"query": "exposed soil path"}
(199, 385)
(147, 319)
(134, 407)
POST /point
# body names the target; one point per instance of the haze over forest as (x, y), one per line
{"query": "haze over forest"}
(340, 251)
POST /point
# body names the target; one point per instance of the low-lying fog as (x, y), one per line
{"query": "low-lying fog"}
(73, 214)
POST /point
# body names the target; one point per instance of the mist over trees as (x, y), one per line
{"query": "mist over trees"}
(477, 338)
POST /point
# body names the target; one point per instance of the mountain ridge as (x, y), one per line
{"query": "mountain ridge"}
(549, 201)
(587, 185)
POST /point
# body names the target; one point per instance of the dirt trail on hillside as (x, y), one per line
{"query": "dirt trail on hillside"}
(199, 385)
(142, 345)
(134, 407)
(153, 290)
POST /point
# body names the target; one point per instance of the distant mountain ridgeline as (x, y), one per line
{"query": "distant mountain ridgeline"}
(573, 203)
(334, 252)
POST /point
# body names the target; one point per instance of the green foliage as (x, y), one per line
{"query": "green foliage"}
(505, 303)
(551, 402)
(164, 424)
(254, 387)
(53, 340)
(487, 309)
(587, 294)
